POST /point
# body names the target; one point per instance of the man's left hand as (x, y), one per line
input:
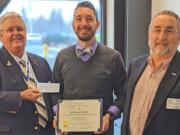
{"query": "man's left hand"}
(105, 125)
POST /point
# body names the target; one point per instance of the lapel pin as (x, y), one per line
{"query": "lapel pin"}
(173, 74)
(35, 62)
(8, 63)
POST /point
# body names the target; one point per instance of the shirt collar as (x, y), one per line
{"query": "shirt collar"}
(93, 47)
(165, 62)
(17, 59)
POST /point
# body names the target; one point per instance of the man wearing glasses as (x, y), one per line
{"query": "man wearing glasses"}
(153, 82)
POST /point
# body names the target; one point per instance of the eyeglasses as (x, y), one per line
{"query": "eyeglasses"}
(13, 29)
(168, 31)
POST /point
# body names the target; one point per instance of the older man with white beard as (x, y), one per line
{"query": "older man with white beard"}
(152, 105)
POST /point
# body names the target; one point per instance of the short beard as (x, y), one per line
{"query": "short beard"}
(154, 51)
(160, 52)
(85, 38)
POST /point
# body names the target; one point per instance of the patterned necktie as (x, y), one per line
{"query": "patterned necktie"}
(40, 104)
(23, 66)
(84, 51)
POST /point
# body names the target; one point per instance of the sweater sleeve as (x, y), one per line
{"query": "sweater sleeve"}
(119, 76)
(56, 78)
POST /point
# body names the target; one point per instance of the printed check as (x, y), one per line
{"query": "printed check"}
(48, 87)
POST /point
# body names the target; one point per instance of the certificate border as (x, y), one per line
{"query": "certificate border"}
(101, 113)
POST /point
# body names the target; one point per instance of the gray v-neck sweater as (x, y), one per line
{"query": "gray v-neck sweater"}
(96, 78)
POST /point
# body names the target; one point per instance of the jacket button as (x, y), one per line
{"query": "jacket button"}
(36, 128)
(36, 112)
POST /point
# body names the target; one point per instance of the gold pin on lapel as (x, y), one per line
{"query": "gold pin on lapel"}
(8, 63)
(35, 62)
(173, 74)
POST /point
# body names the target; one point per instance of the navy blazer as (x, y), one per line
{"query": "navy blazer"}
(160, 121)
(17, 116)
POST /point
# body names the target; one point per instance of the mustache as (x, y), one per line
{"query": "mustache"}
(165, 43)
(84, 27)
(162, 43)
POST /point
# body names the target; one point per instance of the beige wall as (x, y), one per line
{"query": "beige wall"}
(158, 5)
(110, 23)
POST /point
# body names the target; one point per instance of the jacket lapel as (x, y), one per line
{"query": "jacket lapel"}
(12, 67)
(37, 71)
(136, 73)
(171, 76)
(34, 64)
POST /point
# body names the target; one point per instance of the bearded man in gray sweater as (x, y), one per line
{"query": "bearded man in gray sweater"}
(90, 70)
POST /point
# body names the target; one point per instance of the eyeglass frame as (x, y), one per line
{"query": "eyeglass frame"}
(167, 31)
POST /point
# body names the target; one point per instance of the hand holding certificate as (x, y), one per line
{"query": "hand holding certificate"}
(80, 115)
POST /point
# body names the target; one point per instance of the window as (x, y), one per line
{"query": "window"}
(49, 24)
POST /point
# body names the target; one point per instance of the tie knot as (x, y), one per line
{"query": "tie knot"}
(84, 51)
(22, 63)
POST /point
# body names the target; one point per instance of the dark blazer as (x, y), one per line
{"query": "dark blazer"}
(17, 116)
(160, 121)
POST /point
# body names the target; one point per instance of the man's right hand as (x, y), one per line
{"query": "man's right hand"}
(30, 94)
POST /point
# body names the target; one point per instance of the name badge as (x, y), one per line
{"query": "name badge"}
(173, 103)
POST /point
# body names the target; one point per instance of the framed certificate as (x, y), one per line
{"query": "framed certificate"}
(80, 115)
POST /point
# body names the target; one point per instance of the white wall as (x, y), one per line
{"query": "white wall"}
(158, 5)
(173, 5)
(110, 23)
